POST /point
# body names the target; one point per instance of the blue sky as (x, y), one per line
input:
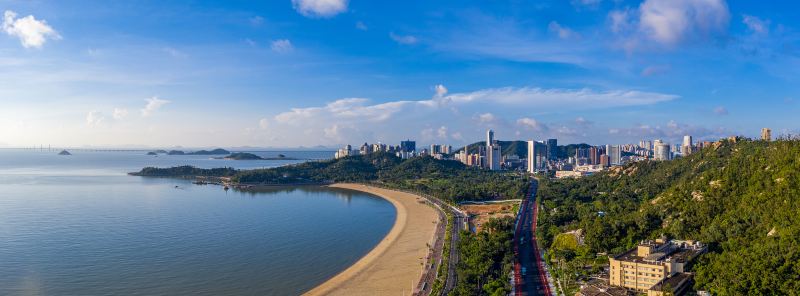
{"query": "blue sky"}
(289, 73)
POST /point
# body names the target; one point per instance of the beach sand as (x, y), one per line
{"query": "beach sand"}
(395, 265)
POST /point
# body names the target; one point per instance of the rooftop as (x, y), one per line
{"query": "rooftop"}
(599, 288)
(660, 251)
(674, 282)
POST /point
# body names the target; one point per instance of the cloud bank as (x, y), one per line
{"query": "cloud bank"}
(358, 119)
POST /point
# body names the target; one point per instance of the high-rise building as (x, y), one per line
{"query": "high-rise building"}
(686, 148)
(489, 138)
(614, 154)
(552, 149)
(766, 134)
(594, 155)
(531, 156)
(604, 161)
(494, 157)
(435, 149)
(661, 150)
(408, 146)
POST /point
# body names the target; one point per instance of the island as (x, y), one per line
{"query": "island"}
(243, 156)
(217, 151)
(64, 152)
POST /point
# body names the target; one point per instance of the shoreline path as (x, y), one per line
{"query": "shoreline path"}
(395, 265)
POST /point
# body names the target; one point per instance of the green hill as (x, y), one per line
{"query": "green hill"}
(743, 199)
(446, 179)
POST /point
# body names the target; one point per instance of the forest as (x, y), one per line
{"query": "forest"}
(739, 196)
(486, 260)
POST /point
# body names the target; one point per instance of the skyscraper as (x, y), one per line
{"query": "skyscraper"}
(552, 149)
(494, 157)
(686, 149)
(489, 138)
(531, 156)
(766, 134)
(614, 153)
(594, 155)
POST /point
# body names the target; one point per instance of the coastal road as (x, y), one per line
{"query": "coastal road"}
(529, 259)
(458, 225)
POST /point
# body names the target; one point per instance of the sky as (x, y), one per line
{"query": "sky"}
(290, 73)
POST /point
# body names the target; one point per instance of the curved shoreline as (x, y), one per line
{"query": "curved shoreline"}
(394, 265)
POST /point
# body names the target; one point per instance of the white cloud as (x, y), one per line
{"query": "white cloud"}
(580, 121)
(672, 21)
(282, 46)
(672, 132)
(94, 118)
(174, 52)
(486, 118)
(361, 26)
(441, 133)
(120, 113)
(586, 3)
(263, 123)
(403, 39)
(620, 20)
(757, 25)
(440, 90)
(531, 124)
(320, 8)
(153, 104)
(32, 33)
(561, 31)
(256, 20)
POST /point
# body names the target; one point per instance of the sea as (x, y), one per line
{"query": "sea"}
(80, 225)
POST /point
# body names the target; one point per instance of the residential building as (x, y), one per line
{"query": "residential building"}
(604, 161)
(658, 264)
(686, 148)
(766, 134)
(594, 155)
(661, 150)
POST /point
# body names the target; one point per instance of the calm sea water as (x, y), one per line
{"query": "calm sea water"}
(77, 225)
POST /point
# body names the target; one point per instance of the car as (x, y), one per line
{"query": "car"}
(524, 270)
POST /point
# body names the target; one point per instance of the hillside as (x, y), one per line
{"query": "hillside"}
(446, 179)
(743, 199)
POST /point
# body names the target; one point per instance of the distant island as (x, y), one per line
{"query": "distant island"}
(218, 151)
(251, 156)
(64, 152)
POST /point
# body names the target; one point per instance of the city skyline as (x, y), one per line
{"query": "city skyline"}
(308, 73)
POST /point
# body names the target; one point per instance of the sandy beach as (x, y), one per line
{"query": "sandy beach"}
(395, 265)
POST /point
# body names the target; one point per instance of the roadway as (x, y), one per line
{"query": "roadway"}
(458, 225)
(529, 259)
